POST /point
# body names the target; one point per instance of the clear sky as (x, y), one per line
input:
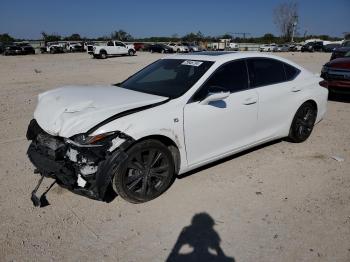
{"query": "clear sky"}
(27, 19)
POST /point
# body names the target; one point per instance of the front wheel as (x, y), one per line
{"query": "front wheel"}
(148, 172)
(303, 123)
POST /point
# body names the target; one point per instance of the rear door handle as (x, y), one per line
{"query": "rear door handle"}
(250, 101)
(296, 89)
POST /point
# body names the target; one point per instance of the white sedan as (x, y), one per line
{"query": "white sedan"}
(175, 115)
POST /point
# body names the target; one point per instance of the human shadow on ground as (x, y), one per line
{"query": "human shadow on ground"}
(203, 239)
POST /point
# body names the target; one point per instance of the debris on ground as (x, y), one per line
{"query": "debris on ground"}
(338, 158)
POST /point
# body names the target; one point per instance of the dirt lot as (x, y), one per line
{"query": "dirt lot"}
(281, 202)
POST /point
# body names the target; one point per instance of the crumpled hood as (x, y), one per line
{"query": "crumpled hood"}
(71, 110)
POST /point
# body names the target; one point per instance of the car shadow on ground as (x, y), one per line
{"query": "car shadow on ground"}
(111, 195)
(343, 98)
(203, 241)
(218, 162)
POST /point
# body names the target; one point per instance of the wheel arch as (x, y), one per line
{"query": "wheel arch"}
(311, 101)
(170, 144)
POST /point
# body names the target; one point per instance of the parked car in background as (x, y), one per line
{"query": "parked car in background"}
(178, 48)
(312, 47)
(113, 48)
(12, 50)
(342, 50)
(282, 48)
(191, 47)
(75, 47)
(27, 49)
(336, 74)
(295, 47)
(89, 47)
(329, 48)
(136, 137)
(18, 49)
(233, 46)
(268, 48)
(160, 48)
(139, 46)
(53, 48)
(1, 48)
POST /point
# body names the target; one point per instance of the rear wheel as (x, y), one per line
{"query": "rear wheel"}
(303, 123)
(103, 54)
(131, 52)
(148, 172)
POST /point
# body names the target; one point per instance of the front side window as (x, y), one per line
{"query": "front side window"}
(110, 43)
(119, 44)
(264, 71)
(232, 77)
(168, 77)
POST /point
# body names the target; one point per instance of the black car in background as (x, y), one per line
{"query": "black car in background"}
(1, 48)
(330, 47)
(160, 48)
(27, 49)
(312, 47)
(342, 50)
(12, 50)
(18, 49)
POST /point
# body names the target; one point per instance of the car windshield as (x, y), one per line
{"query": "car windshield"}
(167, 77)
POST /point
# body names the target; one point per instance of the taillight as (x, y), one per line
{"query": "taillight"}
(324, 83)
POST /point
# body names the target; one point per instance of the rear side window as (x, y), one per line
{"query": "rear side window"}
(264, 71)
(291, 71)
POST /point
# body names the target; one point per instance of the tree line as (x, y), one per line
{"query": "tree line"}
(191, 37)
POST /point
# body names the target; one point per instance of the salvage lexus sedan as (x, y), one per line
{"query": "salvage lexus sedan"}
(179, 113)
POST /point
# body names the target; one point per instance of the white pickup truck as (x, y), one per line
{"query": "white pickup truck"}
(113, 48)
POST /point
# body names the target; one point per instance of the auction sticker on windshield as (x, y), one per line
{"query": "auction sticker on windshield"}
(191, 63)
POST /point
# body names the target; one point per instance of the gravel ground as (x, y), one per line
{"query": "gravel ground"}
(280, 202)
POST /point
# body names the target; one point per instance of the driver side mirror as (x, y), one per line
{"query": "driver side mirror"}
(215, 93)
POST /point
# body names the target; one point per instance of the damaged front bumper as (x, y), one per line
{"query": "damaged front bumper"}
(83, 169)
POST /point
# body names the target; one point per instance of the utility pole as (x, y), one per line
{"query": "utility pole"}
(294, 25)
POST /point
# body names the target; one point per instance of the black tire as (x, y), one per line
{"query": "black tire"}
(131, 52)
(178, 50)
(147, 172)
(303, 123)
(52, 50)
(103, 54)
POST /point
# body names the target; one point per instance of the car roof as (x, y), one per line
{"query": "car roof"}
(225, 56)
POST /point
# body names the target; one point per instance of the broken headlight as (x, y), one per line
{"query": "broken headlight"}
(92, 141)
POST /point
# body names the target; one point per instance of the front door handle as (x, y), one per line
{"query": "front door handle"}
(250, 101)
